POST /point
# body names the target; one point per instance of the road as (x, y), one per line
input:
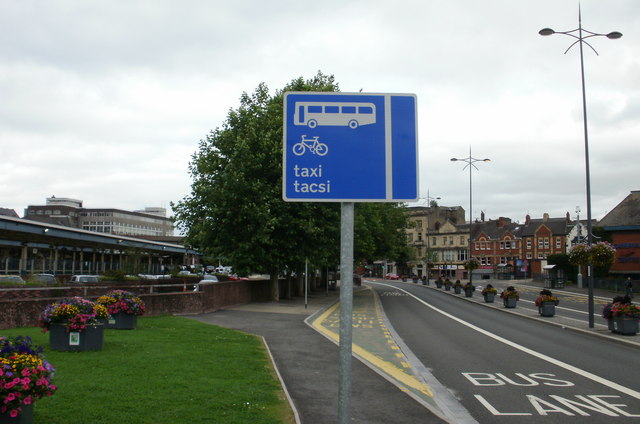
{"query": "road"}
(505, 368)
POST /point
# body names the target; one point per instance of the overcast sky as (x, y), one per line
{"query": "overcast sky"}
(105, 101)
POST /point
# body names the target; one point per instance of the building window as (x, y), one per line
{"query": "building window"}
(433, 241)
(529, 256)
(462, 255)
(420, 224)
(528, 243)
(419, 252)
(501, 245)
(410, 237)
(462, 240)
(419, 236)
(558, 242)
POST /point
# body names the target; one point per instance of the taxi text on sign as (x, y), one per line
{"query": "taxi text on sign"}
(350, 147)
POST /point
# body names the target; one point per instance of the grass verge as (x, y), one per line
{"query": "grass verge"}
(169, 370)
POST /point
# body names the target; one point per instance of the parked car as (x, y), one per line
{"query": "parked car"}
(46, 279)
(79, 279)
(392, 277)
(207, 278)
(16, 279)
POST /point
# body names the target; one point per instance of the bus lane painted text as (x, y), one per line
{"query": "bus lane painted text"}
(575, 405)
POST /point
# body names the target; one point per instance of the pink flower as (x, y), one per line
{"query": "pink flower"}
(28, 400)
(14, 413)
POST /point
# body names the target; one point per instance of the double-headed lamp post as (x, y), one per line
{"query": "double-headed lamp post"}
(470, 163)
(578, 34)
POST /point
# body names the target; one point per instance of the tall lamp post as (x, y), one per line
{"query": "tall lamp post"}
(470, 163)
(578, 34)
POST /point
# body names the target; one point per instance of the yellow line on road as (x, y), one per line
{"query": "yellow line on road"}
(379, 363)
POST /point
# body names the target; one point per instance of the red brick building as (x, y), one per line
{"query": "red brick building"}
(543, 237)
(623, 223)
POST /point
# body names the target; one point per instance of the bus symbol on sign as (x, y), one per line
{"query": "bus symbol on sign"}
(337, 114)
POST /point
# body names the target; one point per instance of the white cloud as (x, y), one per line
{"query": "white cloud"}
(106, 101)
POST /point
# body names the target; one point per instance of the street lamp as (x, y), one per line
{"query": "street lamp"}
(580, 38)
(470, 163)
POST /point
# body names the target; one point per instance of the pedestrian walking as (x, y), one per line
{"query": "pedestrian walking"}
(629, 288)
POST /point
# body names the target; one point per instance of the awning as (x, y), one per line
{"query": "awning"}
(548, 267)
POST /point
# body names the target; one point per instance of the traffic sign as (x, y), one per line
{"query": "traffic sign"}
(350, 147)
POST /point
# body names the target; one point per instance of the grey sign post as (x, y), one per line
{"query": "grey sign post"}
(349, 147)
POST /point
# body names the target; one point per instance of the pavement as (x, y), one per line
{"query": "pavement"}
(388, 384)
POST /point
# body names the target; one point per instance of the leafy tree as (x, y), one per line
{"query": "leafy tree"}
(235, 208)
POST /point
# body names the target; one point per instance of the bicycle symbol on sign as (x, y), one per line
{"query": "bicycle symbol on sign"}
(313, 144)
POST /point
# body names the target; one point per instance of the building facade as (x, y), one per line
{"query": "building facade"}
(151, 222)
(623, 223)
(439, 238)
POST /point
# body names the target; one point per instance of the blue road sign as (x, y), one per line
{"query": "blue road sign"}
(350, 147)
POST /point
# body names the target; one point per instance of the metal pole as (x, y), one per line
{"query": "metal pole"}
(588, 177)
(470, 215)
(306, 281)
(346, 311)
(580, 39)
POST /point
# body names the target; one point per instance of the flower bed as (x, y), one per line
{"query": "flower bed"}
(25, 375)
(75, 313)
(117, 301)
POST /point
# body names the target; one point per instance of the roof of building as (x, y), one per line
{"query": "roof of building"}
(495, 229)
(557, 226)
(625, 214)
(8, 212)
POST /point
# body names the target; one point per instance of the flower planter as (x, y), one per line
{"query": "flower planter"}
(122, 321)
(510, 302)
(626, 326)
(91, 338)
(468, 293)
(547, 309)
(489, 297)
(439, 285)
(447, 287)
(457, 289)
(26, 417)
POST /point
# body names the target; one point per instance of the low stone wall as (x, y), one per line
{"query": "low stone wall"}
(21, 307)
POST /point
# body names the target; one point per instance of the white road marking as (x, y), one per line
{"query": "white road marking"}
(569, 367)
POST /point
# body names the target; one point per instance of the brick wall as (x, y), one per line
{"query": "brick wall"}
(20, 307)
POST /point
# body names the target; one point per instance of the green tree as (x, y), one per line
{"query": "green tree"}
(235, 208)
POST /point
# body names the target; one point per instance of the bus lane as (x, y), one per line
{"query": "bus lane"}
(501, 380)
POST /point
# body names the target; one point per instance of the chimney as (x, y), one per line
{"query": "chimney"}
(545, 217)
(527, 220)
(568, 217)
(482, 216)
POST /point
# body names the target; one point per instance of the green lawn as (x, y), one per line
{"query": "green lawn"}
(169, 370)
